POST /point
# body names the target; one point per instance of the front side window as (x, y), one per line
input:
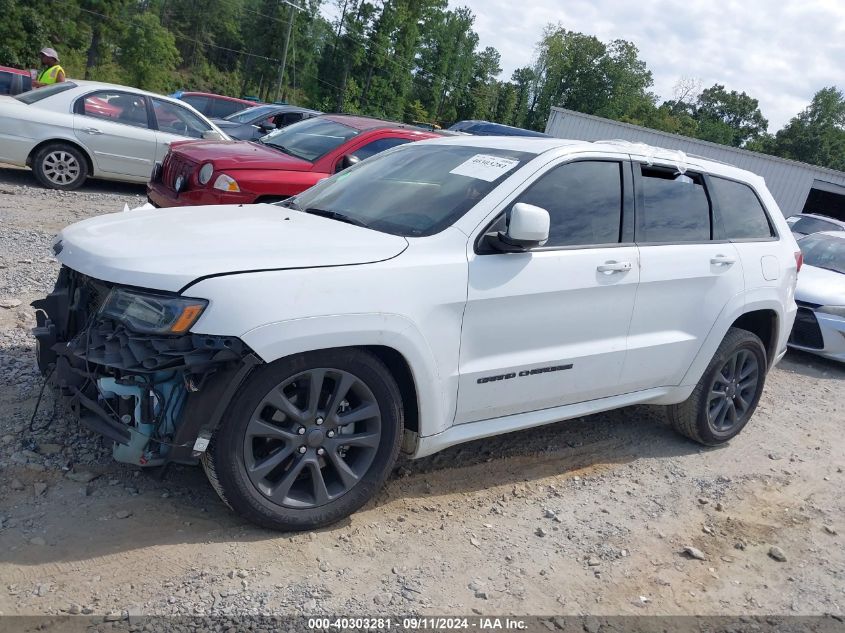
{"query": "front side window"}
(673, 207)
(584, 201)
(255, 113)
(824, 251)
(120, 107)
(414, 190)
(378, 146)
(743, 217)
(310, 139)
(175, 119)
(220, 108)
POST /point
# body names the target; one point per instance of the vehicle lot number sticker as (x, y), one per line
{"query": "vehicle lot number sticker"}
(485, 167)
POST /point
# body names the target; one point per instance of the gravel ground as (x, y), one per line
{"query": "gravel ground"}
(603, 515)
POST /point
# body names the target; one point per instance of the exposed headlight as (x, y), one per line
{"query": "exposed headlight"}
(834, 310)
(226, 183)
(152, 314)
(205, 173)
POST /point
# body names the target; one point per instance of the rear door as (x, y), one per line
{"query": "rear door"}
(548, 327)
(114, 126)
(688, 274)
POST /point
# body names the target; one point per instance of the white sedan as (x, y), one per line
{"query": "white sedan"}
(68, 131)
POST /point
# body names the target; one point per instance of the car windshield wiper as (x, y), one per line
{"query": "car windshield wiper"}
(336, 215)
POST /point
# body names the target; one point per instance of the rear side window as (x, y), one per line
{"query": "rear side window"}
(219, 108)
(198, 103)
(742, 215)
(673, 207)
(38, 94)
(584, 201)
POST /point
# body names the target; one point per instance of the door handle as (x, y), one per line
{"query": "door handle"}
(722, 260)
(93, 130)
(608, 268)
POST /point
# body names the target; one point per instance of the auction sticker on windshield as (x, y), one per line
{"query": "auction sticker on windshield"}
(485, 167)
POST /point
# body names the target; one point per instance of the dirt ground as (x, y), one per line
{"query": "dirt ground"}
(588, 516)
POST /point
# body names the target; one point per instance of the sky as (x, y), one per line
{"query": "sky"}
(778, 51)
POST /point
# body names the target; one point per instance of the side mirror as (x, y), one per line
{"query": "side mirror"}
(528, 227)
(346, 162)
(212, 135)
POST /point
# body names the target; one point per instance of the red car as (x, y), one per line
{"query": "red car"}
(14, 81)
(279, 165)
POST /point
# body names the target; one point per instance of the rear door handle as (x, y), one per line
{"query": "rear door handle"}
(93, 130)
(608, 268)
(722, 260)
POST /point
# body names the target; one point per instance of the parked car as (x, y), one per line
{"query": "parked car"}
(488, 128)
(807, 223)
(71, 130)
(253, 123)
(820, 322)
(212, 105)
(440, 292)
(281, 164)
(14, 81)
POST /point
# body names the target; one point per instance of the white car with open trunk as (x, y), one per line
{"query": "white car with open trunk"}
(440, 292)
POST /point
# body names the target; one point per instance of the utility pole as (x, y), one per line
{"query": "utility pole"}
(285, 49)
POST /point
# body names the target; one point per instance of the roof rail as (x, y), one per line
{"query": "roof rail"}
(622, 141)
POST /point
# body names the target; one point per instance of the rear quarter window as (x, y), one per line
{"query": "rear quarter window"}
(742, 214)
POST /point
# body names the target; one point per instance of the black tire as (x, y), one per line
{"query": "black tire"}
(698, 417)
(60, 166)
(246, 484)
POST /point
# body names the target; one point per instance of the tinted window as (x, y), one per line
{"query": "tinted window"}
(379, 145)
(743, 217)
(47, 91)
(824, 251)
(674, 207)
(219, 108)
(806, 225)
(175, 119)
(417, 190)
(200, 103)
(120, 107)
(584, 201)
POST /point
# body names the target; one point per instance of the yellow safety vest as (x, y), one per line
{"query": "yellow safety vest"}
(48, 76)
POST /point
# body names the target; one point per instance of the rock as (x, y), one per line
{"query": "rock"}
(9, 303)
(830, 530)
(16, 484)
(475, 585)
(37, 540)
(474, 541)
(719, 507)
(774, 456)
(42, 589)
(74, 609)
(591, 625)
(540, 532)
(694, 552)
(49, 449)
(382, 599)
(482, 595)
(707, 529)
(243, 573)
(703, 501)
(324, 566)
(123, 514)
(82, 476)
(594, 562)
(113, 616)
(777, 554)
(40, 488)
(739, 545)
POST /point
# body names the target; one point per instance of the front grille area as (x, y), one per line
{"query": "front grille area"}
(174, 166)
(806, 332)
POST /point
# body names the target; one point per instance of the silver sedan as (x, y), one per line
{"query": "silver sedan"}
(820, 323)
(71, 130)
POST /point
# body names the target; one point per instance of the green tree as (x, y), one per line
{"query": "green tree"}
(730, 118)
(149, 53)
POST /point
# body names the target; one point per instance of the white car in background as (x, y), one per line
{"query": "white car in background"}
(69, 131)
(820, 322)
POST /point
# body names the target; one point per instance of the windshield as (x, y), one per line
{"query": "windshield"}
(310, 139)
(250, 114)
(824, 251)
(805, 225)
(47, 91)
(413, 190)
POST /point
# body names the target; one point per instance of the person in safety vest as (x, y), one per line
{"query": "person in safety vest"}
(51, 72)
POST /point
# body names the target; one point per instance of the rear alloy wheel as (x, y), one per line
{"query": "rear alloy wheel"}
(727, 394)
(309, 440)
(60, 166)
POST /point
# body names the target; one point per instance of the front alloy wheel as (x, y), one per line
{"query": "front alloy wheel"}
(732, 391)
(308, 440)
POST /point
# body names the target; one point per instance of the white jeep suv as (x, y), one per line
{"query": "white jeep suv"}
(440, 292)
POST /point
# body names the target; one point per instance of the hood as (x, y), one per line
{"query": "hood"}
(821, 286)
(239, 155)
(167, 249)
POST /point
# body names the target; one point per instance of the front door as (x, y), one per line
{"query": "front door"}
(114, 125)
(548, 327)
(688, 275)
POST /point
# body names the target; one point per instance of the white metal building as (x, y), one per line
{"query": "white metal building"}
(797, 187)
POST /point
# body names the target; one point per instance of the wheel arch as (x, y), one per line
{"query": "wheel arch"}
(764, 323)
(63, 141)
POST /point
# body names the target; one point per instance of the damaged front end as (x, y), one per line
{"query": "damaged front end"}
(132, 372)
